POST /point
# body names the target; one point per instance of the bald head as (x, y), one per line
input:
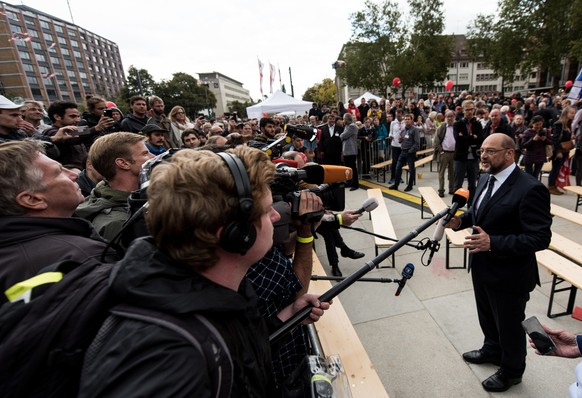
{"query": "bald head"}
(497, 153)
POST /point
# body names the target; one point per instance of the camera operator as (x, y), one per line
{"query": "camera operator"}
(329, 227)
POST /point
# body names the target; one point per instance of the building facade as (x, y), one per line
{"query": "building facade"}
(225, 89)
(46, 58)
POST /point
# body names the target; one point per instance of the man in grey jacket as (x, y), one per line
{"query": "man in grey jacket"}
(410, 143)
(349, 139)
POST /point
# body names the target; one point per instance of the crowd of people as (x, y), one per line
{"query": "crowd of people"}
(68, 178)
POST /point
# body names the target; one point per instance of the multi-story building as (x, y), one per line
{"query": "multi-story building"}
(46, 58)
(225, 89)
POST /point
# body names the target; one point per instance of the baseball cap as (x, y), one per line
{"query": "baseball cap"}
(150, 128)
(5, 103)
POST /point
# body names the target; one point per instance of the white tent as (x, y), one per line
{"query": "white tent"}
(277, 103)
(368, 96)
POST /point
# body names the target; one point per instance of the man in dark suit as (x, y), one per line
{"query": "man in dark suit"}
(511, 220)
(468, 133)
(330, 143)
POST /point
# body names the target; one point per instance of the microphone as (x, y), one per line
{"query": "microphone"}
(460, 198)
(407, 272)
(368, 205)
(326, 174)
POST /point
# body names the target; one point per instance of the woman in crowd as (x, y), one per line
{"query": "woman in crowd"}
(381, 136)
(180, 122)
(431, 126)
(534, 140)
(519, 128)
(561, 133)
(353, 109)
(421, 127)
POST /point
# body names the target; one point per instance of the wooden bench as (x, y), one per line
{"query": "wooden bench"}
(381, 223)
(563, 270)
(418, 163)
(566, 214)
(337, 336)
(430, 197)
(566, 248)
(383, 166)
(578, 191)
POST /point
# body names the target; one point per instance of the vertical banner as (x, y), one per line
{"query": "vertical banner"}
(273, 73)
(261, 65)
(279, 71)
(576, 91)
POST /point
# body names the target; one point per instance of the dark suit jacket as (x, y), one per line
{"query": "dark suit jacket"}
(467, 139)
(331, 147)
(517, 219)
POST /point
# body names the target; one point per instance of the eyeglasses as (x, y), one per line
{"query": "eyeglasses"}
(469, 109)
(179, 113)
(490, 151)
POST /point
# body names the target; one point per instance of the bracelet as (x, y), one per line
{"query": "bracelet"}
(305, 240)
(339, 218)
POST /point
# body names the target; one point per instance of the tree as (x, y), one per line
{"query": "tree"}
(377, 40)
(240, 107)
(382, 48)
(323, 93)
(535, 33)
(139, 82)
(184, 90)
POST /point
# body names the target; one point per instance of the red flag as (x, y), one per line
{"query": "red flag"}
(261, 74)
(272, 77)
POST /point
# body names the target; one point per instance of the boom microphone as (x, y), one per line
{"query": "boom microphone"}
(368, 205)
(407, 272)
(460, 198)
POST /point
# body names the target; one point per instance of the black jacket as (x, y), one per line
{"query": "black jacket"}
(468, 137)
(142, 359)
(28, 244)
(133, 124)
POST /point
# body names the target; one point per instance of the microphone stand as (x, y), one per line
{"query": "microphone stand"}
(341, 278)
(296, 319)
(377, 235)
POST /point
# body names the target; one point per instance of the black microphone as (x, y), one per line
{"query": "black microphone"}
(407, 272)
(460, 198)
(368, 205)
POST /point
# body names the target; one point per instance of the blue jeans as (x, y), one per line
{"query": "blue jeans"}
(534, 169)
(408, 158)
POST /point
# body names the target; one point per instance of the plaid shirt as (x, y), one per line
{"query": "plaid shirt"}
(276, 285)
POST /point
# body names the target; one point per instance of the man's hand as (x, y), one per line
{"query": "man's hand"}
(349, 217)
(479, 242)
(302, 302)
(565, 342)
(104, 123)
(454, 223)
(65, 133)
(308, 203)
(26, 126)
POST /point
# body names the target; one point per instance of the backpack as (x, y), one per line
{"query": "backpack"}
(43, 342)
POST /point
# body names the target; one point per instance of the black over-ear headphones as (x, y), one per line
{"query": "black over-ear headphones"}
(240, 234)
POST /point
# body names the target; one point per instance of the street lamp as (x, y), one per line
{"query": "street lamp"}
(338, 65)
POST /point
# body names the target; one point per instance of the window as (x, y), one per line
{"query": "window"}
(32, 80)
(55, 61)
(32, 32)
(453, 65)
(44, 25)
(48, 37)
(28, 67)
(75, 43)
(68, 63)
(464, 65)
(62, 40)
(40, 57)
(77, 54)
(66, 51)
(59, 29)
(463, 76)
(15, 28)
(71, 73)
(36, 45)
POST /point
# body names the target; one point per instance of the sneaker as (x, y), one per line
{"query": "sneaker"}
(401, 181)
(441, 194)
(391, 182)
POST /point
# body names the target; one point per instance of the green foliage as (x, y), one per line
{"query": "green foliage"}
(183, 90)
(322, 93)
(382, 46)
(139, 82)
(240, 108)
(528, 34)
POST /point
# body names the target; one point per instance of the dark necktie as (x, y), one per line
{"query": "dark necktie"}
(490, 185)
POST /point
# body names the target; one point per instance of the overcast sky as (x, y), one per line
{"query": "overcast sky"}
(192, 36)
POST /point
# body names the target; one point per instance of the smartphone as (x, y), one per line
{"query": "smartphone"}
(108, 112)
(538, 335)
(82, 130)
